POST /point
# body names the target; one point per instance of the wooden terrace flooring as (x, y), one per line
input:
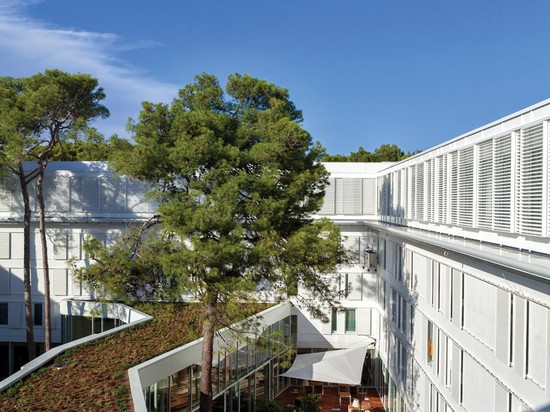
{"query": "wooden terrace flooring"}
(330, 399)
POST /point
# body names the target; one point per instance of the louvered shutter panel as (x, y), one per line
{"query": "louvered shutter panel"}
(59, 282)
(352, 196)
(4, 245)
(405, 193)
(339, 196)
(529, 181)
(363, 324)
(485, 185)
(442, 192)
(328, 201)
(453, 188)
(136, 201)
(90, 195)
(466, 187)
(502, 184)
(60, 245)
(112, 194)
(430, 190)
(420, 192)
(369, 196)
(57, 192)
(413, 192)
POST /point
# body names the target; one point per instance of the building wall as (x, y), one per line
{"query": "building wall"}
(458, 302)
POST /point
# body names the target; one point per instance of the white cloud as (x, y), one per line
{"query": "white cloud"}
(29, 46)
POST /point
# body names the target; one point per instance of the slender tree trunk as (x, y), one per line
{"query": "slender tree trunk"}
(27, 264)
(45, 264)
(207, 357)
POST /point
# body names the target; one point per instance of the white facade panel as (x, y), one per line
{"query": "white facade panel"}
(480, 309)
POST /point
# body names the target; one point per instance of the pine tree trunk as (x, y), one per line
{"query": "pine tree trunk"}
(27, 264)
(207, 357)
(45, 264)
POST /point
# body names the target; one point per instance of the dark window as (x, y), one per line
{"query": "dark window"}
(350, 320)
(334, 320)
(38, 314)
(3, 313)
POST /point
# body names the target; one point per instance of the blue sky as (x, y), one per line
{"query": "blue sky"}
(364, 72)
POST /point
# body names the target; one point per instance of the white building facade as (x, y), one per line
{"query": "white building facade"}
(450, 283)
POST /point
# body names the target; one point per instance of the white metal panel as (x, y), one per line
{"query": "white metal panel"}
(4, 245)
(369, 286)
(503, 326)
(354, 286)
(351, 244)
(4, 281)
(536, 343)
(519, 335)
(455, 379)
(16, 281)
(478, 387)
(37, 280)
(501, 398)
(15, 315)
(480, 309)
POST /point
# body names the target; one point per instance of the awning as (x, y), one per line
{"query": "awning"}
(336, 366)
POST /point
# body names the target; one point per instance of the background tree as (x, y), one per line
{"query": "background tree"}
(89, 145)
(237, 179)
(37, 114)
(384, 153)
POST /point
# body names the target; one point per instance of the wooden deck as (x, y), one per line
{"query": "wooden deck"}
(330, 401)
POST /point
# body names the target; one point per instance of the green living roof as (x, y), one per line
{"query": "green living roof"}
(93, 377)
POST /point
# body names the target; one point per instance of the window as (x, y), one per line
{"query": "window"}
(334, 320)
(37, 314)
(350, 320)
(3, 313)
(430, 343)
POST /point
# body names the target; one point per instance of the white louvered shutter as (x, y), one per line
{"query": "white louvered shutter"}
(352, 196)
(466, 187)
(485, 185)
(502, 184)
(328, 202)
(442, 189)
(453, 188)
(529, 181)
(369, 196)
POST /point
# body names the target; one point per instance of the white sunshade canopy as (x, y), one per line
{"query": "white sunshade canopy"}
(337, 366)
